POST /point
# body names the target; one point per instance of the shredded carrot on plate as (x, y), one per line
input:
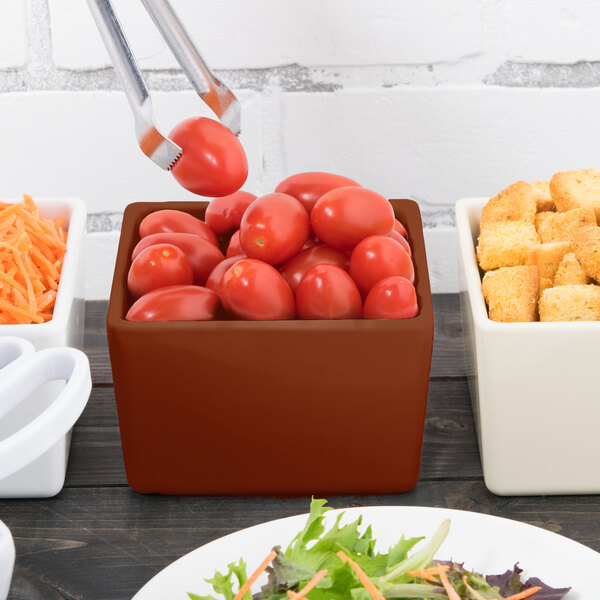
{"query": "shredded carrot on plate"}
(263, 565)
(452, 593)
(309, 586)
(362, 577)
(525, 594)
(32, 251)
(429, 573)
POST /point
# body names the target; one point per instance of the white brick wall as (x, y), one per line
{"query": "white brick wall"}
(13, 34)
(427, 99)
(265, 33)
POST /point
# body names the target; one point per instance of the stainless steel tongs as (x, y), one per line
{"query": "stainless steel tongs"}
(213, 92)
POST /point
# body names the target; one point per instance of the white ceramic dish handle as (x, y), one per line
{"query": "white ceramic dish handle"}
(22, 378)
(7, 560)
(13, 349)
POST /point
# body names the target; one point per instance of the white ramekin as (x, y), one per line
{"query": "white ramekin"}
(533, 386)
(45, 476)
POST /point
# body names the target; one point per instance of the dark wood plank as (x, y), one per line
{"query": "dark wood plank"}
(95, 344)
(104, 544)
(449, 441)
(447, 360)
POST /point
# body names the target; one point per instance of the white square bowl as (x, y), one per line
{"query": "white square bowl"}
(533, 386)
(45, 476)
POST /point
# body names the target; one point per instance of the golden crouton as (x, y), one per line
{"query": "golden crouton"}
(542, 197)
(515, 203)
(547, 257)
(541, 217)
(545, 284)
(512, 293)
(587, 251)
(570, 303)
(565, 226)
(570, 272)
(505, 244)
(576, 189)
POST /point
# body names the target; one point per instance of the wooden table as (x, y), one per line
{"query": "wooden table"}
(99, 540)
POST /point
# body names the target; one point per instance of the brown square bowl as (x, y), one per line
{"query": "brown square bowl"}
(270, 407)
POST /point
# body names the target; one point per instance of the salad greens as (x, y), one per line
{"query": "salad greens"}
(348, 556)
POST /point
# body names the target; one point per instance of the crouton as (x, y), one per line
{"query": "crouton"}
(542, 197)
(570, 272)
(576, 189)
(545, 283)
(512, 293)
(565, 226)
(505, 244)
(547, 257)
(570, 303)
(540, 218)
(587, 251)
(515, 203)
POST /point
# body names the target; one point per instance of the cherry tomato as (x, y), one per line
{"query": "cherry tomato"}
(175, 303)
(225, 214)
(252, 289)
(213, 162)
(294, 269)
(377, 257)
(397, 237)
(400, 229)
(216, 275)
(274, 228)
(176, 221)
(391, 298)
(347, 215)
(158, 266)
(328, 292)
(311, 240)
(309, 187)
(234, 248)
(203, 255)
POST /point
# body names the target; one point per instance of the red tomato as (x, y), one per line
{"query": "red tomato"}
(216, 275)
(377, 257)
(274, 228)
(311, 240)
(397, 237)
(213, 162)
(293, 270)
(400, 229)
(234, 248)
(391, 298)
(159, 266)
(176, 221)
(309, 187)
(225, 214)
(328, 292)
(203, 255)
(252, 289)
(347, 215)
(175, 303)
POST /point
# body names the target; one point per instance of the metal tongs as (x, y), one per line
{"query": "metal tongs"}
(211, 90)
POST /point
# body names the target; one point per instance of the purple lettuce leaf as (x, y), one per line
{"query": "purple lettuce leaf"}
(510, 583)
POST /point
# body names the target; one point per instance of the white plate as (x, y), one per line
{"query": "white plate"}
(484, 543)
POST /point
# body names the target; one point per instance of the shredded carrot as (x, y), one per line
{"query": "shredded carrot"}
(32, 251)
(429, 573)
(452, 593)
(525, 594)
(263, 565)
(309, 586)
(362, 577)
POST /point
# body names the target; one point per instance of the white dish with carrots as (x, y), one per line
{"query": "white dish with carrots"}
(59, 323)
